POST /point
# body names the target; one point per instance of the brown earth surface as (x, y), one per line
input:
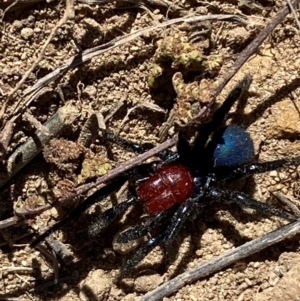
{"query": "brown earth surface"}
(121, 89)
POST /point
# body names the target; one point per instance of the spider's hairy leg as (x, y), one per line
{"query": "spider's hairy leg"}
(185, 210)
(76, 212)
(139, 231)
(236, 94)
(167, 237)
(140, 254)
(108, 216)
(256, 168)
(97, 196)
(126, 144)
(221, 113)
(245, 201)
(138, 148)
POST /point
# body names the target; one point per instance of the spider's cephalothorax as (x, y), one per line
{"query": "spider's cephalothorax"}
(182, 183)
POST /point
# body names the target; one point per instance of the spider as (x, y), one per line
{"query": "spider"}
(182, 183)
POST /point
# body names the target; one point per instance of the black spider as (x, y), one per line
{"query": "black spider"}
(182, 183)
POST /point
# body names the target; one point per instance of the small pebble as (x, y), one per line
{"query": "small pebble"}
(27, 33)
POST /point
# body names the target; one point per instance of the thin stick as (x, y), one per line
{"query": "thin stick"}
(223, 261)
(8, 8)
(287, 202)
(294, 13)
(33, 146)
(16, 269)
(11, 221)
(6, 135)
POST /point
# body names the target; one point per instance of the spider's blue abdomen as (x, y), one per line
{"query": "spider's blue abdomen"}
(233, 147)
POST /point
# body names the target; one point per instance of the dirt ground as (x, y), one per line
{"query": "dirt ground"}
(121, 88)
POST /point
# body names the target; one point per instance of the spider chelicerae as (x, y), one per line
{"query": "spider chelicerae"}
(182, 183)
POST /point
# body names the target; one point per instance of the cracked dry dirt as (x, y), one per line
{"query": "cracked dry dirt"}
(116, 86)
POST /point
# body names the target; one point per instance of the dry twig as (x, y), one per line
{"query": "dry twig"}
(294, 13)
(26, 152)
(6, 135)
(9, 222)
(287, 203)
(16, 269)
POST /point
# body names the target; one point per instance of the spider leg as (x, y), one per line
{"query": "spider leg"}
(139, 148)
(255, 168)
(139, 231)
(76, 212)
(140, 254)
(221, 113)
(97, 196)
(237, 93)
(245, 201)
(108, 216)
(126, 144)
(185, 210)
(167, 237)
